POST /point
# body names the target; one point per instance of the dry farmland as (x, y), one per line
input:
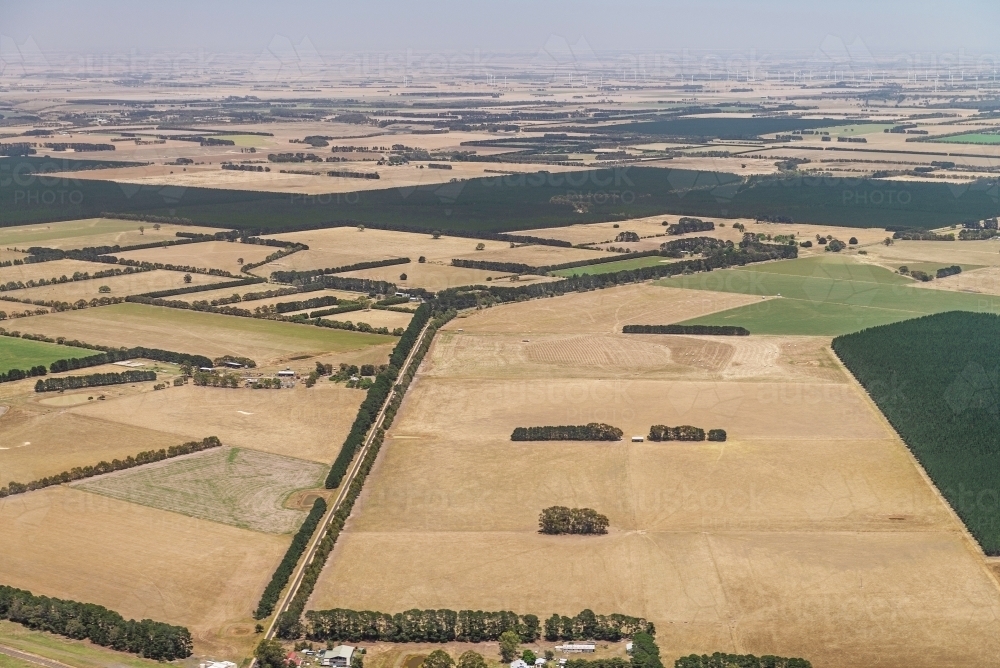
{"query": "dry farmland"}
(92, 232)
(436, 277)
(140, 561)
(209, 334)
(810, 532)
(207, 254)
(236, 486)
(49, 270)
(305, 423)
(121, 286)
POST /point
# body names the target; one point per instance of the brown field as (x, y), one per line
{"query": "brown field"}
(92, 232)
(121, 286)
(307, 423)
(141, 562)
(49, 270)
(207, 254)
(810, 532)
(213, 335)
(374, 317)
(436, 277)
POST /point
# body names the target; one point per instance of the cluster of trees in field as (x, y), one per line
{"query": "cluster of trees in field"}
(93, 380)
(488, 265)
(560, 520)
(688, 224)
(305, 276)
(678, 247)
(315, 302)
(684, 432)
(948, 271)
(228, 359)
(87, 621)
(467, 626)
(349, 174)
(284, 570)
(593, 431)
(714, 330)
(214, 379)
(76, 276)
(81, 472)
(17, 149)
(377, 395)
(631, 237)
(720, 660)
(943, 400)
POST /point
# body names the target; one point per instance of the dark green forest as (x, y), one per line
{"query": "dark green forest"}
(511, 202)
(937, 380)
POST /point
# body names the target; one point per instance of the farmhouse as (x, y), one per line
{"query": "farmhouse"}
(338, 657)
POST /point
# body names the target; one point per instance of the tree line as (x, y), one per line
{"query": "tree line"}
(346, 308)
(289, 624)
(93, 380)
(466, 626)
(76, 276)
(111, 355)
(158, 294)
(677, 247)
(483, 296)
(684, 432)
(284, 570)
(315, 302)
(87, 621)
(304, 276)
(81, 472)
(557, 520)
(377, 395)
(713, 330)
(593, 431)
(277, 255)
(720, 660)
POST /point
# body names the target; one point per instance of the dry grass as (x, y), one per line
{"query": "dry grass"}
(92, 231)
(236, 486)
(121, 286)
(48, 270)
(208, 254)
(209, 334)
(810, 532)
(436, 277)
(303, 423)
(141, 562)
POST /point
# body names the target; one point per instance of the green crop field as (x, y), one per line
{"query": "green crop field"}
(935, 379)
(971, 138)
(24, 354)
(824, 296)
(76, 653)
(241, 487)
(608, 267)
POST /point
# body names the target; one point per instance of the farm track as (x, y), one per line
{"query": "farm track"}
(345, 486)
(31, 658)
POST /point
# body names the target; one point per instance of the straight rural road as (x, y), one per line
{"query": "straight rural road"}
(345, 485)
(31, 658)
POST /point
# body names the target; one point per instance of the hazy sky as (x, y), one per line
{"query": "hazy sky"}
(103, 26)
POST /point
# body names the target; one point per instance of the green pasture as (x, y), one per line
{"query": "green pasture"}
(824, 296)
(24, 353)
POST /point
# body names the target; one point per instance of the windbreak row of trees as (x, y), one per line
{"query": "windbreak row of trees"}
(466, 626)
(284, 570)
(720, 660)
(684, 432)
(377, 395)
(713, 330)
(93, 380)
(111, 355)
(594, 431)
(87, 621)
(159, 294)
(21, 374)
(293, 276)
(315, 302)
(561, 520)
(271, 257)
(75, 276)
(81, 472)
